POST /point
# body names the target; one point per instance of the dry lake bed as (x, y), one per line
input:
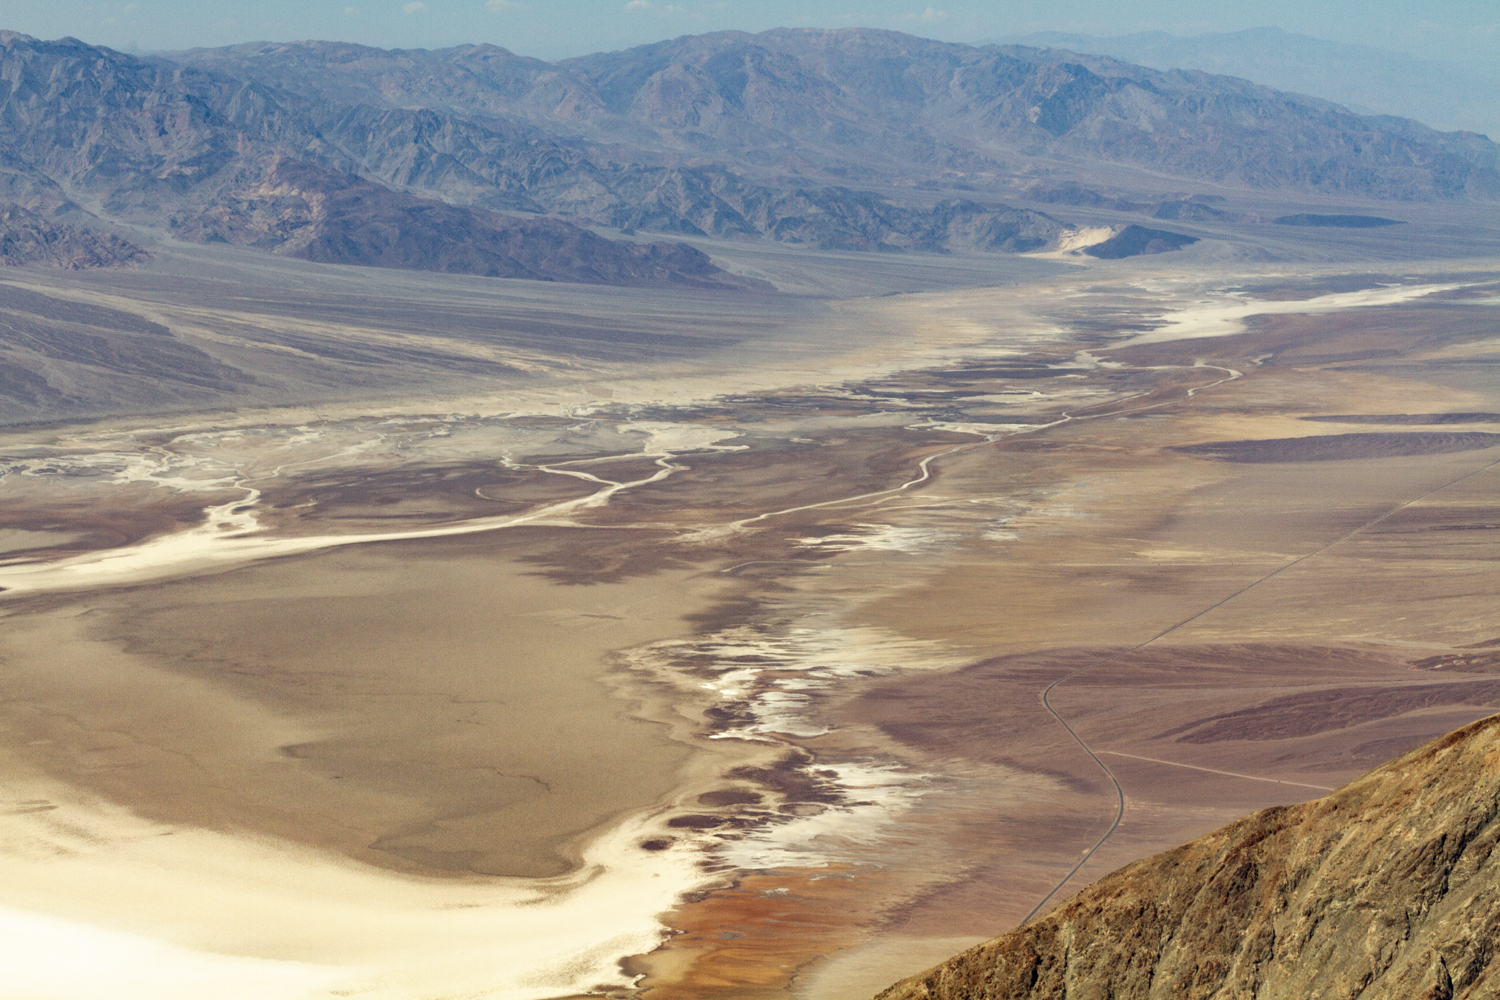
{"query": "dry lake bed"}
(696, 645)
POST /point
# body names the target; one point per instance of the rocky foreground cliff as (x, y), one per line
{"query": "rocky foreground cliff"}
(1386, 888)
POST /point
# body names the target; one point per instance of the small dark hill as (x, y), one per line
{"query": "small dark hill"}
(1338, 447)
(1338, 221)
(29, 238)
(302, 210)
(1137, 241)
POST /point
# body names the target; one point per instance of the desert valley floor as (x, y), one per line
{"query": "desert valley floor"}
(702, 644)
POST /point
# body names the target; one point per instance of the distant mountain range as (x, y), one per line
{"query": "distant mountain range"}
(1367, 80)
(449, 159)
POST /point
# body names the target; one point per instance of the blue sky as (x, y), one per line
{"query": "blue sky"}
(551, 29)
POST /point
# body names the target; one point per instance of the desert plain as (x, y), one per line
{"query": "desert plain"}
(691, 644)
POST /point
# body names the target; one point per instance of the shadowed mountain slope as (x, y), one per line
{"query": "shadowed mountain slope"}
(1386, 888)
(215, 159)
(300, 210)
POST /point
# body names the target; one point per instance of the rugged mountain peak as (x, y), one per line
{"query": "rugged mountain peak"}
(1386, 888)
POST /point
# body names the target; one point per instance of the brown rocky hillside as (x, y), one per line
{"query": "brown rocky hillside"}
(1386, 888)
(29, 238)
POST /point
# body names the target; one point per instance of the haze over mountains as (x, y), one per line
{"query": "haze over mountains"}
(854, 139)
(1446, 95)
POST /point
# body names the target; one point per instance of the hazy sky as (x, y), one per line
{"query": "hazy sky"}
(550, 29)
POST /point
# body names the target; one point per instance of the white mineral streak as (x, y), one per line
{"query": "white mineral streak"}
(880, 794)
(1071, 243)
(770, 678)
(880, 538)
(1225, 315)
(231, 534)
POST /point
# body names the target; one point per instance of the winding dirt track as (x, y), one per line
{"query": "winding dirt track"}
(1083, 744)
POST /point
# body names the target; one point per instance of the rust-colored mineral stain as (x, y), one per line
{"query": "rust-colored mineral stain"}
(754, 937)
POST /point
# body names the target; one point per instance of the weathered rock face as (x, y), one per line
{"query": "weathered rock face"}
(28, 238)
(300, 210)
(1386, 888)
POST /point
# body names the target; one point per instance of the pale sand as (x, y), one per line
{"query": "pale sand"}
(433, 707)
(426, 706)
(100, 903)
(1070, 245)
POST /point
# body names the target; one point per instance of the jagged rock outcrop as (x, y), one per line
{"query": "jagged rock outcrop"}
(1387, 889)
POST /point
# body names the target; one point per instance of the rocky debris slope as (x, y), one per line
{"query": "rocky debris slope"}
(1386, 888)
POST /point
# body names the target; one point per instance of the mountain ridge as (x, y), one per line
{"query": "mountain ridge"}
(777, 99)
(1368, 80)
(825, 138)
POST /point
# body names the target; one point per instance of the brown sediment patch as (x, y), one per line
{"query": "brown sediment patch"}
(1336, 708)
(1339, 447)
(426, 707)
(792, 779)
(988, 712)
(312, 503)
(755, 937)
(696, 821)
(130, 516)
(607, 558)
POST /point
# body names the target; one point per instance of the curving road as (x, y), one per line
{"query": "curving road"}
(1083, 744)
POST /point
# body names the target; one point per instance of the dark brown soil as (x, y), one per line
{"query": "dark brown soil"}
(1407, 418)
(1337, 447)
(1462, 663)
(1338, 708)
